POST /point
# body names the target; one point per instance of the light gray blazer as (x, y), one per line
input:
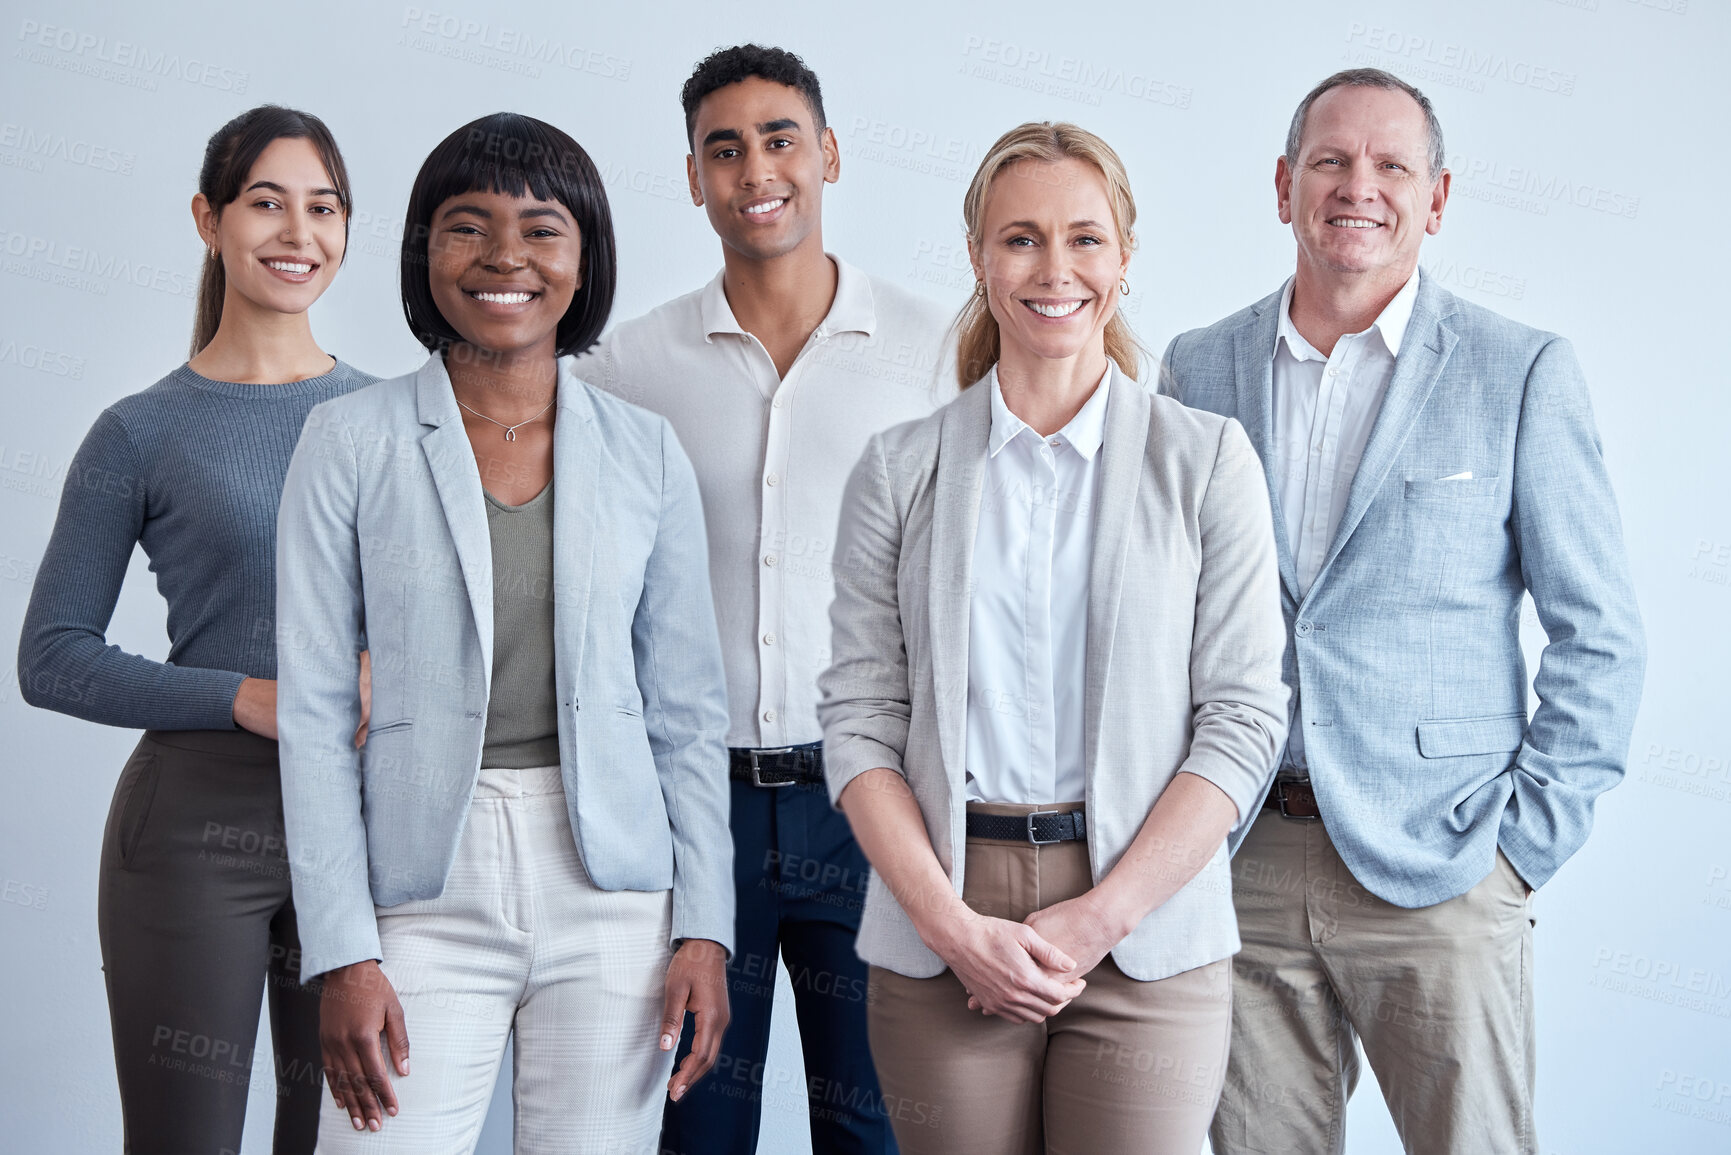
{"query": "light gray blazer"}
(1406, 648)
(1183, 647)
(382, 542)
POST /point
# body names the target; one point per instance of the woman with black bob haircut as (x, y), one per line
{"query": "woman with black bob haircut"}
(194, 909)
(518, 156)
(541, 802)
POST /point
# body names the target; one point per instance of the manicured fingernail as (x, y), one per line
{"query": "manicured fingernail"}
(359, 1126)
(667, 1042)
(372, 1124)
(678, 1091)
(392, 1111)
(405, 1066)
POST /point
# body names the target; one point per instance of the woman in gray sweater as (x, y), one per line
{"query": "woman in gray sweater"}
(195, 913)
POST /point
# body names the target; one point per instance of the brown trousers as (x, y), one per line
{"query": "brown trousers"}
(1130, 1067)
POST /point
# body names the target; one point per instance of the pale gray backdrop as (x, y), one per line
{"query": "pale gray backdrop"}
(1586, 137)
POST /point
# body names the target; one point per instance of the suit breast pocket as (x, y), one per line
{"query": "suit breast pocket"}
(1446, 534)
(1451, 490)
(1445, 513)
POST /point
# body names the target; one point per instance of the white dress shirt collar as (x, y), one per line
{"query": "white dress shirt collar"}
(1084, 432)
(852, 311)
(1390, 324)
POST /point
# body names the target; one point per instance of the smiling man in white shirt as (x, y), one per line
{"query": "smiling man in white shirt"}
(774, 375)
(1430, 463)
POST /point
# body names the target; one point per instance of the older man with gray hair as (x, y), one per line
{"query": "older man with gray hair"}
(1430, 462)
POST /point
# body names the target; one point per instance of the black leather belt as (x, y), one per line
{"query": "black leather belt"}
(1040, 828)
(1293, 797)
(778, 766)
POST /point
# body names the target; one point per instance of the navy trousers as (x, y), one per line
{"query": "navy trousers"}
(801, 883)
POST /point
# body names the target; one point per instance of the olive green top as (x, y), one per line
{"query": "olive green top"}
(523, 706)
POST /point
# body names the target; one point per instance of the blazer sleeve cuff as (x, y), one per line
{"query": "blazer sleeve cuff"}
(320, 954)
(846, 758)
(709, 917)
(1243, 786)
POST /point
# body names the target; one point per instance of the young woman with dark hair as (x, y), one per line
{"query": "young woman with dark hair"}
(195, 912)
(533, 840)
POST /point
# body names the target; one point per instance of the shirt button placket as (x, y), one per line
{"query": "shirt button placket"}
(1043, 763)
(775, 541)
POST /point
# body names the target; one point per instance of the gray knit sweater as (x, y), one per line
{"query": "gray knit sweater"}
(193, 470)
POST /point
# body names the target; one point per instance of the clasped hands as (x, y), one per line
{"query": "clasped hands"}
(1028, 971)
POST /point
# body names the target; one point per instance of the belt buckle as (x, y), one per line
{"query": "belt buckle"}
(1280, 785)
(757, 772)
(1030, 820)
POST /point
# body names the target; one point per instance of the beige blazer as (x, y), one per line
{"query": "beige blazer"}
(1184, 645)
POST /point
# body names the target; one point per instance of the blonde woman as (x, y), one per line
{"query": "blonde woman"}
(1055, 693)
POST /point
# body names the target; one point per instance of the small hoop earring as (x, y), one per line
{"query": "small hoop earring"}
(979, 288)
(210, 251)
(1124, 288)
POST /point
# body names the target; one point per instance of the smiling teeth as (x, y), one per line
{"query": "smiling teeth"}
(504, 298)
(765, 207)
(1054, 310)
(1354, 223)
(290, 266)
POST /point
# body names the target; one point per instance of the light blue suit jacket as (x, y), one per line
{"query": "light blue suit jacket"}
(382, 542)
(1405, 652)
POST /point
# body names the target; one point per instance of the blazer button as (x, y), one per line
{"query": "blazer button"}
(1302, 629)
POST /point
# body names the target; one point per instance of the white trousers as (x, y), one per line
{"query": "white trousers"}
(522, 940)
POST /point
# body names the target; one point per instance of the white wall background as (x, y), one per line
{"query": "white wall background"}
(1587, 139)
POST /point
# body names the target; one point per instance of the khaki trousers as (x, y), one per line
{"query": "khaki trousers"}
(1440, 997)
(1128, 1067)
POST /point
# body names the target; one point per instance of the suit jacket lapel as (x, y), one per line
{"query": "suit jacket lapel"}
(458, 481)
(955, 519)
(1123, 453)
(1253, 355)
(577, 453)
(1424, 352)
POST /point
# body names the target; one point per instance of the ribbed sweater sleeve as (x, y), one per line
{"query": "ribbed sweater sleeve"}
(64, 660)
(191, 469)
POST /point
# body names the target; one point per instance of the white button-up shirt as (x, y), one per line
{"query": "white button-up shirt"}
(1324, 408)
(772, 456)
(1028, 620)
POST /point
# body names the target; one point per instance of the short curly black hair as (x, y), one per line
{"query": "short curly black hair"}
(732, 65)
